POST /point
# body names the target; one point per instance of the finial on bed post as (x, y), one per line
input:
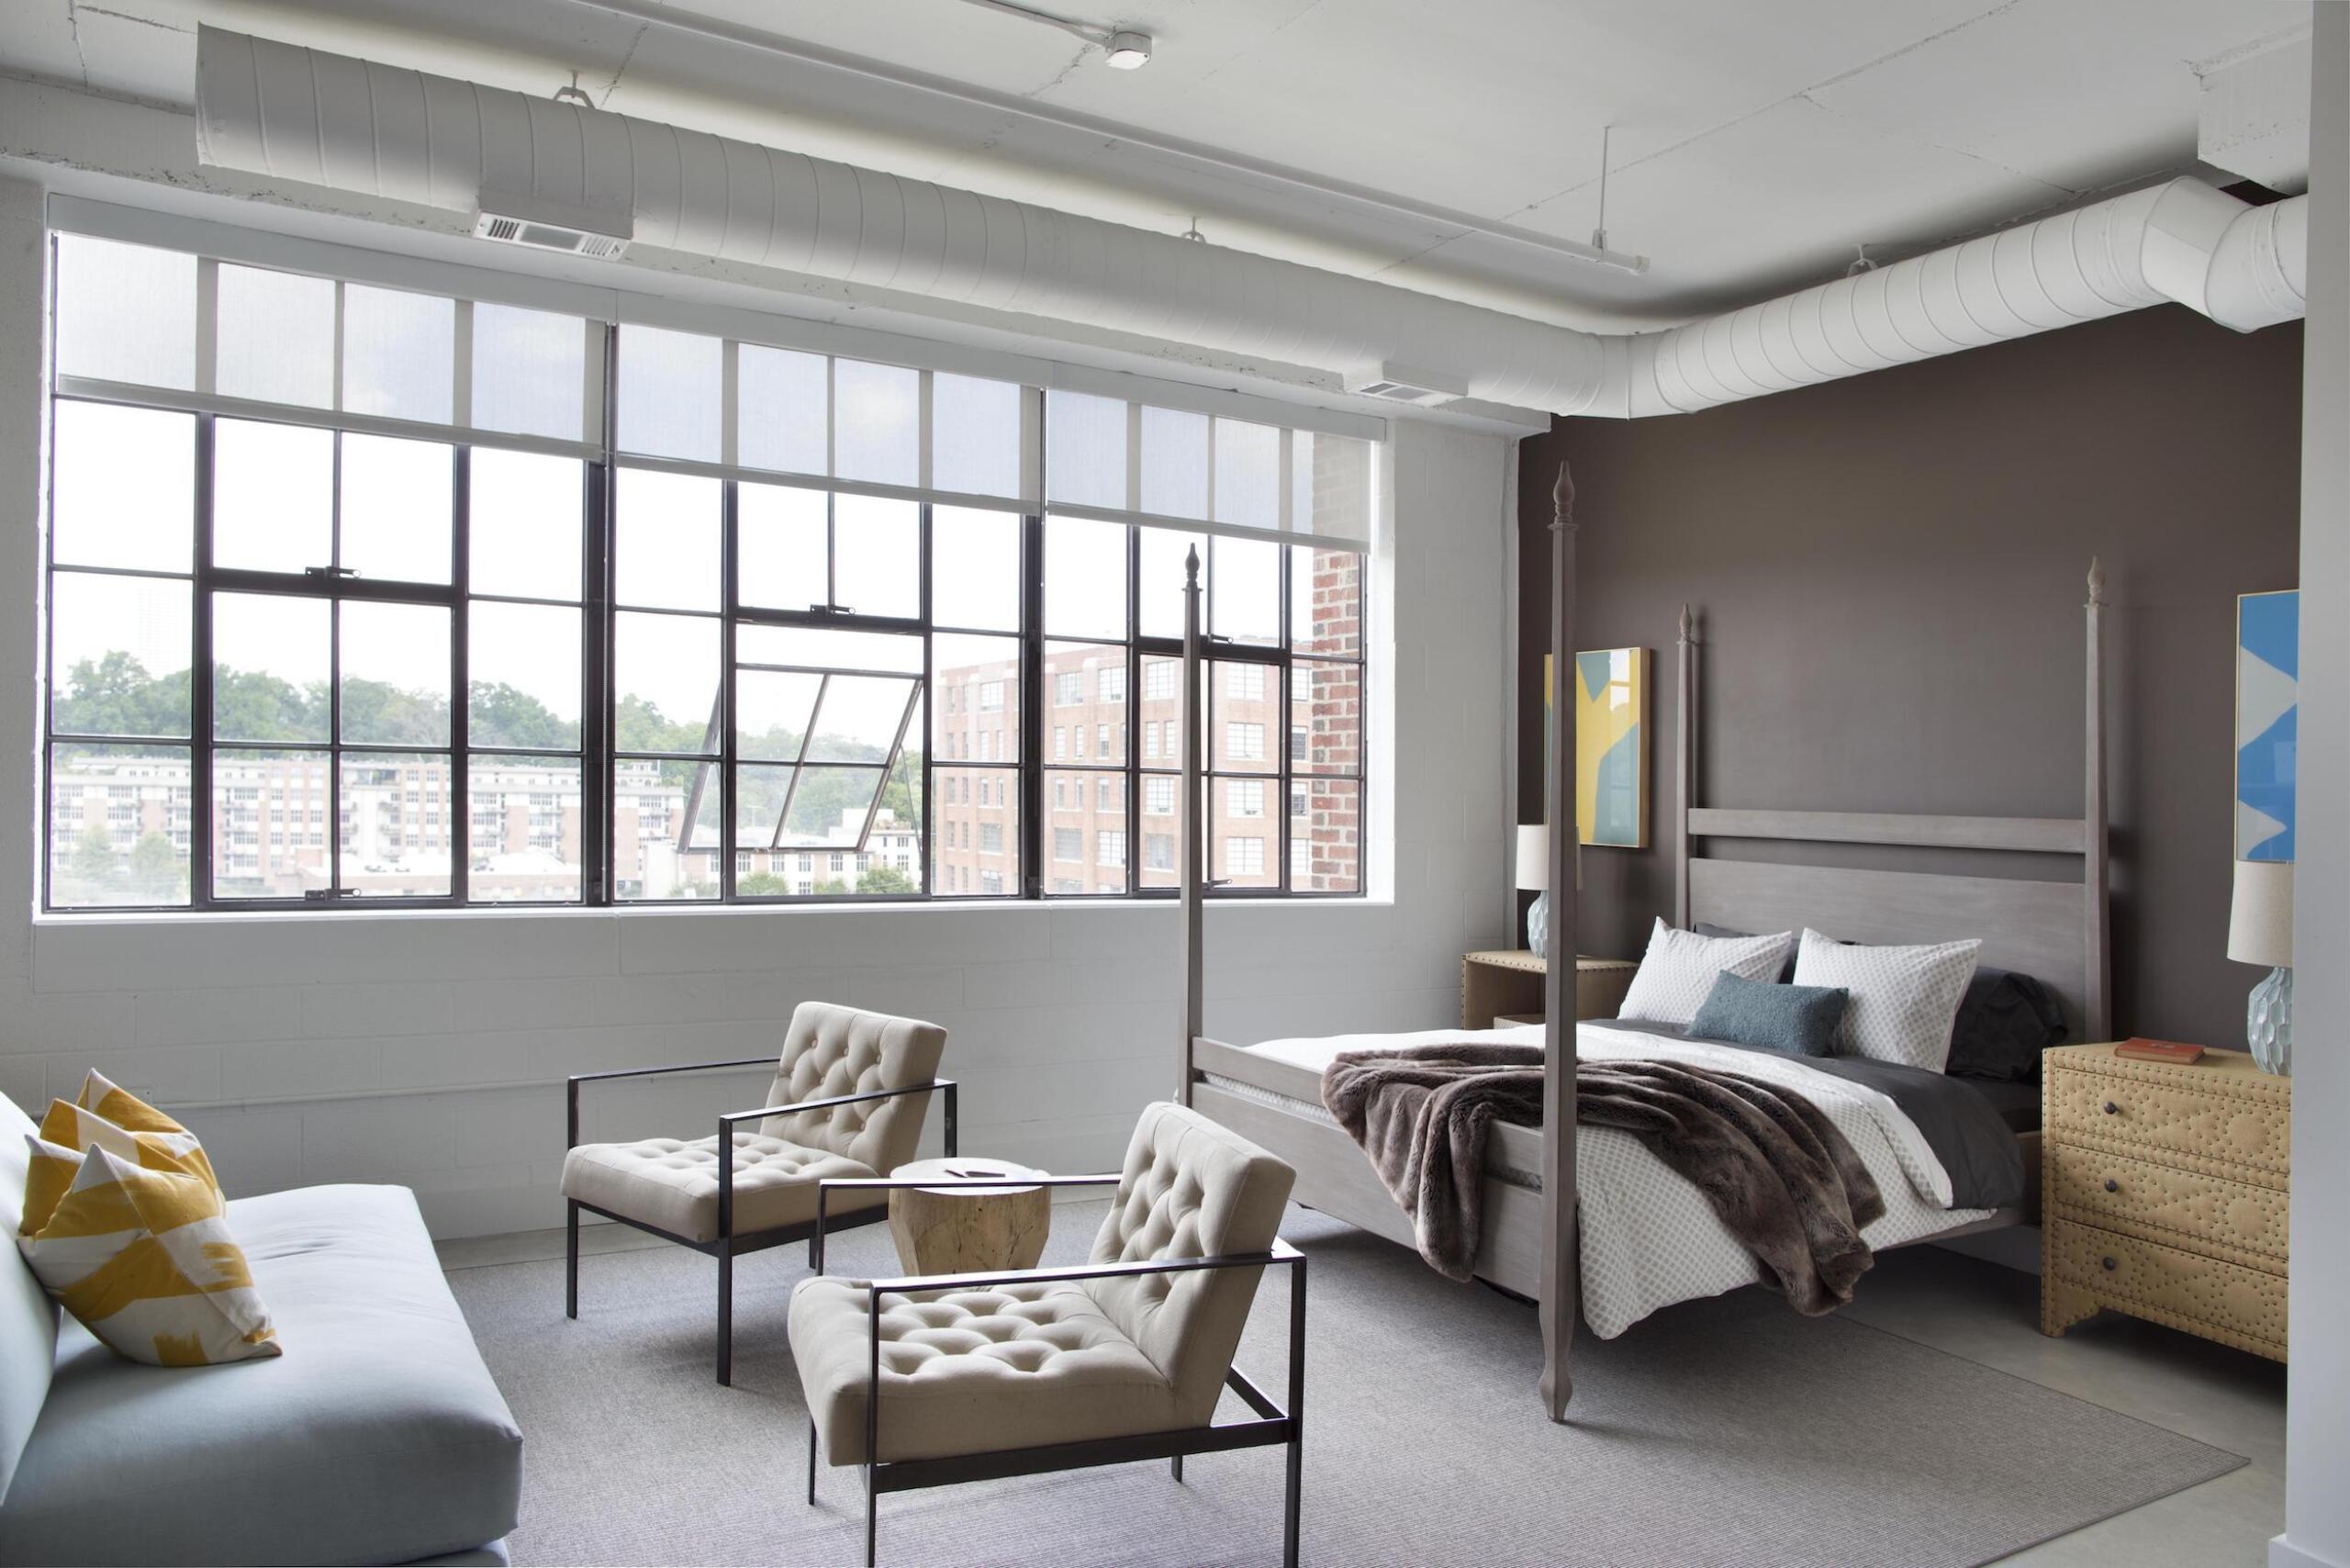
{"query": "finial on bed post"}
(1562, 501)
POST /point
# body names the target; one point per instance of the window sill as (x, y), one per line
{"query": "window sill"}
(939, 907)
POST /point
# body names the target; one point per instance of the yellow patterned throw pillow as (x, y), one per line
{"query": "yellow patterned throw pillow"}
(124, 1224)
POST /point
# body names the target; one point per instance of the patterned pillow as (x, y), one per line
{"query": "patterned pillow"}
(1679, 971)
(1904, 999)
(143, 1259)
(138, 1133)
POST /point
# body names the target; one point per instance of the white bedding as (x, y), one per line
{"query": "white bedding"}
(1649, 1238)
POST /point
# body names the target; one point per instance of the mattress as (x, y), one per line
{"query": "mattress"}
(1649, 1238)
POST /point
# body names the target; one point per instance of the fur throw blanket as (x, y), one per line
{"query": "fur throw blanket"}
(1785, 1183)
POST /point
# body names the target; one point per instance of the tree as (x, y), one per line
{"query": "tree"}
(884, 880)
(94, 860)
(156, 872)
(115, 695)
(760, 884)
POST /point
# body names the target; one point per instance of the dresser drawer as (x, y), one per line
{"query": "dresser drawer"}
(2215, 1128)
(2238, 1220)
(2163, 1285)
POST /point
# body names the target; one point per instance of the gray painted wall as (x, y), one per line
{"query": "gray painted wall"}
(1889, 572)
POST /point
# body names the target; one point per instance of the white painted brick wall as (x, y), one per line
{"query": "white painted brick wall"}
(430, 1050)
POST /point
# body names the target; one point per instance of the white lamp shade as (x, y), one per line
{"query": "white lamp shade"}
(1534, 857)
(2260, 920)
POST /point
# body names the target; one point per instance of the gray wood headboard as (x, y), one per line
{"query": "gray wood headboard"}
(2055, 930)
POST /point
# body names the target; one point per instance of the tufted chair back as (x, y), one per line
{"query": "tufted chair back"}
(1188, 1189)
(831, 1050)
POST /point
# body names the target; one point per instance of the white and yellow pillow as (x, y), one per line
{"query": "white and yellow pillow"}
(130, 1233)
(117, 1121)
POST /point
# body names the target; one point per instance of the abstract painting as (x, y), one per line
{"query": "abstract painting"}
(2268, 665)
(1611, 747)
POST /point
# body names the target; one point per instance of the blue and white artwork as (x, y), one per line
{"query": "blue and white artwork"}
(2268, 675)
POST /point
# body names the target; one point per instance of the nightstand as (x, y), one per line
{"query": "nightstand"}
(1508, 983)
(2165, 1191)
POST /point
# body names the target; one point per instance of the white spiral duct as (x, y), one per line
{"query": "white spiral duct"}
(276, 110)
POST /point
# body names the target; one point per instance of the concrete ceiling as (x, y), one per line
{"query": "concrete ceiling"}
(1754, 144)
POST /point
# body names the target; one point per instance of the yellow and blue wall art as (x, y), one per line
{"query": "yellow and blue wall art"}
(1611, 747)
(2268, 665)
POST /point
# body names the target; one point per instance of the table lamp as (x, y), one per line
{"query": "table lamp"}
(2260, 930)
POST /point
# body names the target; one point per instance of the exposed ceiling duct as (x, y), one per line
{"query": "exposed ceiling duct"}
(297, 114)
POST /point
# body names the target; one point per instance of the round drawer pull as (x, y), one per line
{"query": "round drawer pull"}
(2112, 1185)
(2112, 1109)
(2111, 1265)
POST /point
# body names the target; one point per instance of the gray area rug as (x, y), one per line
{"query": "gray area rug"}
(1727, 1431)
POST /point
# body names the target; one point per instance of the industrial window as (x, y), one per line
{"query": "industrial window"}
(361, 596)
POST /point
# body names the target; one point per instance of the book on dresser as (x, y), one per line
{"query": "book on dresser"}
(2165, 1189)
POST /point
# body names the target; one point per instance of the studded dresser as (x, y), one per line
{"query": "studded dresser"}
(2165, 1191)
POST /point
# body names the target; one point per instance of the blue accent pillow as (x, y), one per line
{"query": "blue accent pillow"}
(1794, 1020)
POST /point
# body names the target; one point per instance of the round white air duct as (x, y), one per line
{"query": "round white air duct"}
(291, 113)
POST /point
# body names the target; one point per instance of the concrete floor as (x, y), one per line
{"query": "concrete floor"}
(1989, 1314)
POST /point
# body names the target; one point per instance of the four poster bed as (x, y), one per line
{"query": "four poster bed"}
(1640, 1236)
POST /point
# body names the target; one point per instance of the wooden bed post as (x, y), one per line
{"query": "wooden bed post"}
(1684, 765)
(1560, 1294)
(2097, 1002)
(1192, 855)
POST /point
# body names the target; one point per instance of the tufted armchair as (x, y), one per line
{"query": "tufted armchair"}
(849, 1094)
(1122, 1359)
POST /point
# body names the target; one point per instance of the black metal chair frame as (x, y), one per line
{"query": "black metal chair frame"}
(1273, 1426)
(727, 1246)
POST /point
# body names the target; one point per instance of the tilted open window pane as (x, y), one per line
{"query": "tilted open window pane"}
(783, 418)
(271, 666)
(119, 826)
(124, 488)
(667, 541)
(124, 313)
(525, 829)
(273, 496)
(772, 712)
(530, 371)
(782, 551)
(829, 806)
(826, 647)
(860, 718)
(400, 818)
(276, 337)
(669, 394)
(522, 675)
(398, 354)
(394, 673)
(760, 792)
(119, 655)
(397, 501)
(525, 524)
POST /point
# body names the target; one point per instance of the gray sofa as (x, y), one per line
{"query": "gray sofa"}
(377, 1437)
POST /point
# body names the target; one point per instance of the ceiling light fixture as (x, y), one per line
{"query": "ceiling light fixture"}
(1124, 48)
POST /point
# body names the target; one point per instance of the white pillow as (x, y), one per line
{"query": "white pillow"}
(1681, 966)
(1904, 999)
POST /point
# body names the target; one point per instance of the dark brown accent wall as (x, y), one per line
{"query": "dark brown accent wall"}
(1889, 572)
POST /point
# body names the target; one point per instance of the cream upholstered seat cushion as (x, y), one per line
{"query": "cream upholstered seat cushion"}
(672, 1185)
(967, 1371)
(975, 1371)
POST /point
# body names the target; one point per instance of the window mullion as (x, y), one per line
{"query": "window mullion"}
(729, 494)
(200, 676)
(458, 820)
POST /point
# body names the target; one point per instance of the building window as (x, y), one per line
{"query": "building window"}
(1158, 852)
(1244, 856)
(807, 676)
(1069, 844)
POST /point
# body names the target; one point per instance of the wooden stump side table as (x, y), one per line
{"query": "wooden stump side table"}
(965, 1230)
